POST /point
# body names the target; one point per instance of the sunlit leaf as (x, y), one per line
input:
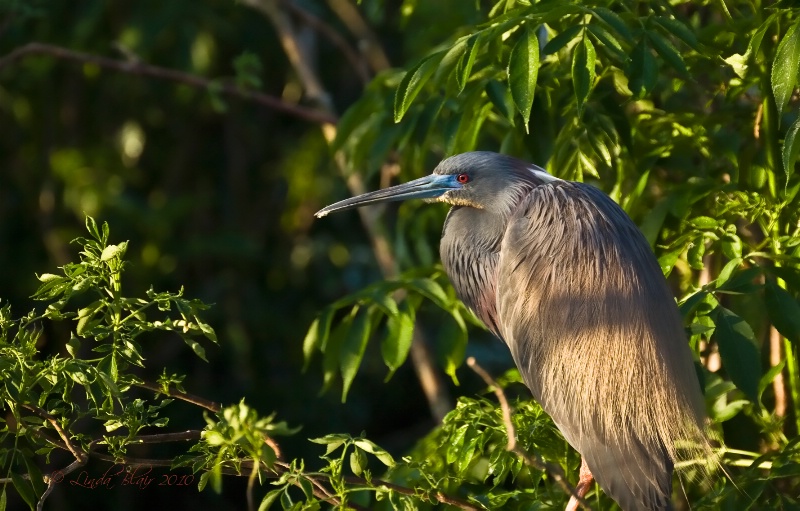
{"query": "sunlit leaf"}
(786, 66)
(316, 336)
(791, 148)
(431, 290)
(412, 83)
(358, 461)
(114, 251)
(467, 60)
(523, 69)
(583, 70)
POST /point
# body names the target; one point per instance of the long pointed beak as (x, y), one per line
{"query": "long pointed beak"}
(428, 187)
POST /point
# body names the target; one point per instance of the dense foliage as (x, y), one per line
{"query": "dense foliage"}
(686, 113)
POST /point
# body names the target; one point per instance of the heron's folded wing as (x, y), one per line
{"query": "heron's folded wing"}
(577, 289)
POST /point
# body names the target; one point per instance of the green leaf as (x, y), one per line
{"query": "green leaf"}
(412, 83)
(787, 273)
(352, 349)
(455, 443)
(3, 499)
(24, 489)
(791, 148)
(642, 70)
(108, 365)
(668, 52)
(455, 344)
(198, 349)
(769, 376)
(270, 499)
(316, 336)
(358, 461)
(523, 69)
(608, 40)
(727, 271)
(737, 348)
(705, 223)
(679, 30)
(732, 246)
(34, 475)
(375, 450)
(332, 347)
(583, 70)
(696, 252)
(668, 259)
(386, 303)
(784, 311)
(500, 97)
(431, 290)
(786, 67)
(561, 40)
(112, 251)
(91, 226)
(465, 63)
(613, 20)
(397, 343)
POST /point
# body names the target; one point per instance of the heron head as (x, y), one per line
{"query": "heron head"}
(479, 179)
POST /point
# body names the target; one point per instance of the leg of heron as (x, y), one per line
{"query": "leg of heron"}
(585, 480)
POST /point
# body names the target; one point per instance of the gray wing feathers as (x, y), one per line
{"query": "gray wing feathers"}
(598, 338)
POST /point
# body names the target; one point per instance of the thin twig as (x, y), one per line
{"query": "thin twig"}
(251, 481)
(211, 406)
(439, 496)
(77, 452)
(190, 434)
(532, 460)
(142, 69)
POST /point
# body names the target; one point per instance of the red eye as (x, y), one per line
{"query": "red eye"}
(462, 178)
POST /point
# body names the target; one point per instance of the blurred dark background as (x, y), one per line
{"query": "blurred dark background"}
(215, 193)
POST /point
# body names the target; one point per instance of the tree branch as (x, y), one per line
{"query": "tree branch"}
(532, 460)
(350, 16)
(333, 36)
(77, 452)
(211, 406)
(142, 69)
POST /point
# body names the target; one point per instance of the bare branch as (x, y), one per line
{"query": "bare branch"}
(333, 36)
(159, 438)
(183, 396)
(532, 460)
(351, 17)
(142, 69)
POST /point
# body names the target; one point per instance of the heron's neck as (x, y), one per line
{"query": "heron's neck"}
(481, 229)
(470, 249)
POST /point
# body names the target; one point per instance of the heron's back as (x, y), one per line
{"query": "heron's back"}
(585, 310)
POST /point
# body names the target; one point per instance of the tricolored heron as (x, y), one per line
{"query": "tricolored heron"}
(560, 273)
